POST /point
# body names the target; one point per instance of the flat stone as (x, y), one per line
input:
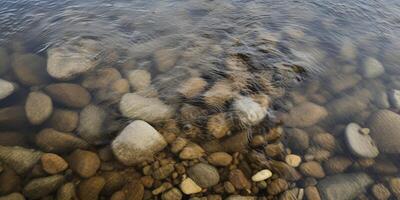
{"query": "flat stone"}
(188, 186)
(6, 88)
(148, 109)
(385, 126)
(304, 115)
(204, 175)
(64, 120)
(360, 144)
(20, 159)
(41, 187)
(70, 60)
(343, 186)
(261, 175)
(138, 142)
(84, 163)
(69, 94)
(38, 107)
(54, 141)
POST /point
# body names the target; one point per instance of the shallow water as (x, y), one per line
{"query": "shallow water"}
(342, 57)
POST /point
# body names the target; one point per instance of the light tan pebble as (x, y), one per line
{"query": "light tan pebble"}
(162, 188)
(297, 139)
(188, 186)
(304, 115)
(394, 184)
(218, 125)
(53, 164)
(312, 169)
(147, 181)
(293, 160)
(163, 172)
(277, 186)
(84, 163)
(165, 59)
(64, 120)
(172, 194)
(309, 157)
(218, 94)
(191, 151)
(139, 79)
(236, 143)
(239, 180)
(312, 193)
(261, 175)
(285, 171)
(6, 88)
(257, 140)
(220, 159)
(274, 150)
(38, 107)
(380, 191)
(67, 192)
(319, 154)
(366, 162)
(192, 87)
(178, 144)
(90, 188)
(120, 87)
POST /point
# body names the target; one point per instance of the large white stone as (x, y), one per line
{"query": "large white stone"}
(148, 109)
(138, 142)
(359, 143)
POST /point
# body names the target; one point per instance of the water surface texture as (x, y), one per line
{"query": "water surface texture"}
(200, 99)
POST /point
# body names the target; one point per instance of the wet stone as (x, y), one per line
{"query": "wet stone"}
(163, 172)
(9, 181)
(219, 159)
(64, 120)
(101, 78)
(114, 181)
(261, 175)
(54, 141)
(380, 191)
(239, 180)
(359, 143)
(313, 169)
(277, 186)
(191, 151)
(30, 69)
(172, 194)
(372, 68)
(138, 142)
(343, 186)
(38, 107)
(304, 115)
(204, 175)
(84, 163)
(52, 163)
(91, 120)
(293, 160)
(311, 192)
(69, 94)
(188, 186)
(13, 196)
(90, 188)
(67, 192)
(337, 164)
(40, 187)
(394, 96)
(6, 88)
(20, 159)
(384, 126)
(297, 139)
(139, 79)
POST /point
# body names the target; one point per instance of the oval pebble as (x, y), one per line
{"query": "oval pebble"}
(361, 145)
(261, 175)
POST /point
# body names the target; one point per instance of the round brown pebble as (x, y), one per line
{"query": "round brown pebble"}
(325, 140)
(119, 195)
(191, 151)
(172, 194)
(277, 186)
(394, 184)
(69, 94)
(64, 120)
(84, 163)
(312, 193)
(89, 189)
(38, 107)
(239, 180)
(53, 164)
(67, 192)
(337, 164)
(9, 181)
(312, 169)
(114, 181)
(220, 159)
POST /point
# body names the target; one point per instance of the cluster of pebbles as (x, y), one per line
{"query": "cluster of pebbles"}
(76, 127)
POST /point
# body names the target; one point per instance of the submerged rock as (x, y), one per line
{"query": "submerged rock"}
(360, 143)
(38, 107)
(343, 186)
(394, 97)
(148, 109)
(64, 120)
(138, 142)
(204, 175)
(6, 88)
(84, 163)
(385, 126)
(372, 68)
(69, 94)
(30, 69)
(54, 141)
(304, 115)
(13, 196)
(69, 61)
(20, 159)
(248, 111)
(91, 120)
(41, 187)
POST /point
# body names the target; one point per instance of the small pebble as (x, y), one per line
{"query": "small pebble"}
(53, 164)
(293, 160)
(188, 186)
(261, 175)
